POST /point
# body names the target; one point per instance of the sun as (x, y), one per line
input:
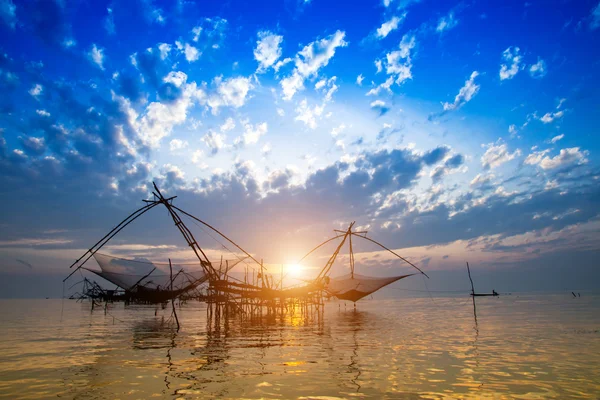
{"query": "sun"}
(294, 269)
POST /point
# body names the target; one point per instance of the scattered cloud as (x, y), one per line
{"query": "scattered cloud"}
(380, 106)
(446, 23)
(497, 154)
(566, 157)
(164, 49)
(389, 26)
(96, 55)
(482, 180)
(557, 138)
(551, 116)
(359, 80)
(232, 92)
(228, 125)
(398, 63)
(309, 60)
(309, 115)
(266, 149)
(538, 70)
(177, 144)
(268, 50)
(253, 132)
(465, 94)
(191, 53)
(337, 130)
(215, 141)
(512, 60)
(36, 90)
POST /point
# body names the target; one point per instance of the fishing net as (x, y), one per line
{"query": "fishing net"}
(355, 287)
(132, 274)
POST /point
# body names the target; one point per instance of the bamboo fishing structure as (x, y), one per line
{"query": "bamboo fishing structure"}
(254, 296)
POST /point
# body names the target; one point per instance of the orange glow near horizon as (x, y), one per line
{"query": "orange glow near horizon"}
(294, 270)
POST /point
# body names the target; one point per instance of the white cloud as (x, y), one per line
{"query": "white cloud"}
(164, 49)
(42, 113)
(309, 115)
(385, 85)
(280, 112)
(510, 56)
(69, 42)
(566, 157)
(197, 30)
(291, 85)
(228, 125)
(266, 149)
(512, 130)
(359, 80)
(481, 180)
(389, 26)
(8, 13)
(267, 50)
(96, 55)
(446, 23)
(551, 116)
(159, 118)
(496, 155)
(197, 157)
(398, 63)
(327, 87)
(465, 94)
(557, 138)
(231, 92)
(309, 60)
(538, 70)
(379, 66)
(36, 90)
(380, 106)
(253, 132)
(177, 78)
(337, 130)
(177, 144)
(215, 141)
(281, 63)
(191, 53)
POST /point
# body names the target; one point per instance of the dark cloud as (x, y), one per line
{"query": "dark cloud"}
(436, 155)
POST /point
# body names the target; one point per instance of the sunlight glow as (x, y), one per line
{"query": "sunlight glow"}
(294, 270)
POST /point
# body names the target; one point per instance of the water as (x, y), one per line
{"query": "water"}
(524, 347)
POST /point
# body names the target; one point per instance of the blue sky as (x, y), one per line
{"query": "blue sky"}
(451, 131)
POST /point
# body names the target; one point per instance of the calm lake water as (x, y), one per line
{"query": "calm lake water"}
(524, 346)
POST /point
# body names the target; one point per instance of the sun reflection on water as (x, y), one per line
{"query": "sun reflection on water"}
(520, 348)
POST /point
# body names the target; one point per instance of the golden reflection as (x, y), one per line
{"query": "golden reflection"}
(521, 348)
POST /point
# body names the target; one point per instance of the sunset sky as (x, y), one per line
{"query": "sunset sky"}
(452, 132)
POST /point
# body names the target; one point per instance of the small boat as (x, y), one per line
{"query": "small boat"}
(494, 293)
(473, 294)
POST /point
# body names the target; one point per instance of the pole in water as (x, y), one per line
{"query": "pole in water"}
(472, 293)
(173, 298)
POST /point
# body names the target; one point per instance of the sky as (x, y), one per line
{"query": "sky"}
(450, 131)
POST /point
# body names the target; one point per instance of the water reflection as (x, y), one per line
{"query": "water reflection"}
(520, 348)
(354, 321)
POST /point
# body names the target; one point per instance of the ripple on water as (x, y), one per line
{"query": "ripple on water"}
(526, 347)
